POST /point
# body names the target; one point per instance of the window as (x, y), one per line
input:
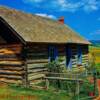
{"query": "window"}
(68, 57)
(79, 55)
(52, 53)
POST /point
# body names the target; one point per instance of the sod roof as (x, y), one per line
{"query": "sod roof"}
(33, 28)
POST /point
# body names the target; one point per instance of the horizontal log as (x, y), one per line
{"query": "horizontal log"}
(39, 65)
(74, 60)
(85, 58)
(11, 77)
(11, 72)
(10, 45)
(37, 46)
(85, 55)
(11, 68)
(6, 51)
(38, 54)
(37, 57)
(34, 82)
(10, 50)
(11, 59)
(38, 61)
(74, 63)
(84, 63)
(60, 78)
(62, 56)
(11, 62)
(38, 76)
(37, 70)
(10, 81)
(38, 50)
(10, 56)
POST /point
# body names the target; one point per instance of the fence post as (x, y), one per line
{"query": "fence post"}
(47, 83)
(77, 87)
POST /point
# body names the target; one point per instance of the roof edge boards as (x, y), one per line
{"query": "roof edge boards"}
(13, 31)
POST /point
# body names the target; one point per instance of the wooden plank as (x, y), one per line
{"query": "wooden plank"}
(74, 63)
(11, 77)
(86, 55)
(37, 61)
(10, 46)
(39, 65)
(38, 76)
(37, 50)
(10, 56)
(11, 68)
(11, 62)
(37, 70)
(35, 82)
(60, 78)
(10, 81)
(37, 54)
(47, 83)
(11, 72)
(11, 51)
(11, 59)
(84, 58)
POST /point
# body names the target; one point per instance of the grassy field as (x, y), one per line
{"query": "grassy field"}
(18, 93)
(95, 51)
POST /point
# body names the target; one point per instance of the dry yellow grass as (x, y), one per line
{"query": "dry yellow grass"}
(95, 51)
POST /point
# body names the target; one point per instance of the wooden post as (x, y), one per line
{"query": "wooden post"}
(25, 75)
(47, 83)
(94, 76)
(77, 89)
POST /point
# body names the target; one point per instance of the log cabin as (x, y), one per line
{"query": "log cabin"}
(28, 42)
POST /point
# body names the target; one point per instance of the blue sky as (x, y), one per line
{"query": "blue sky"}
(83, 16)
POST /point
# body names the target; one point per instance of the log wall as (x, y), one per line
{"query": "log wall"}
(85, 55)
(37, 58)
(84, 50)
(11, 64)
(62, 54)
(74, 54)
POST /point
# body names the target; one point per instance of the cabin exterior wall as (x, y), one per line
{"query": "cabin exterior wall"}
(26, 64)
(11, 63)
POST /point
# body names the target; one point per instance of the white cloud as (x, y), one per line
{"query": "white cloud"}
(46, 15)
(97, 32)
(98, 19)
(67, 5)
(86, 5)
(91, 5)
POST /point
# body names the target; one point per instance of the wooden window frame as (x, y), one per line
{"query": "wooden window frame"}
(79, 55)
(69, 57)
(54, 54)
